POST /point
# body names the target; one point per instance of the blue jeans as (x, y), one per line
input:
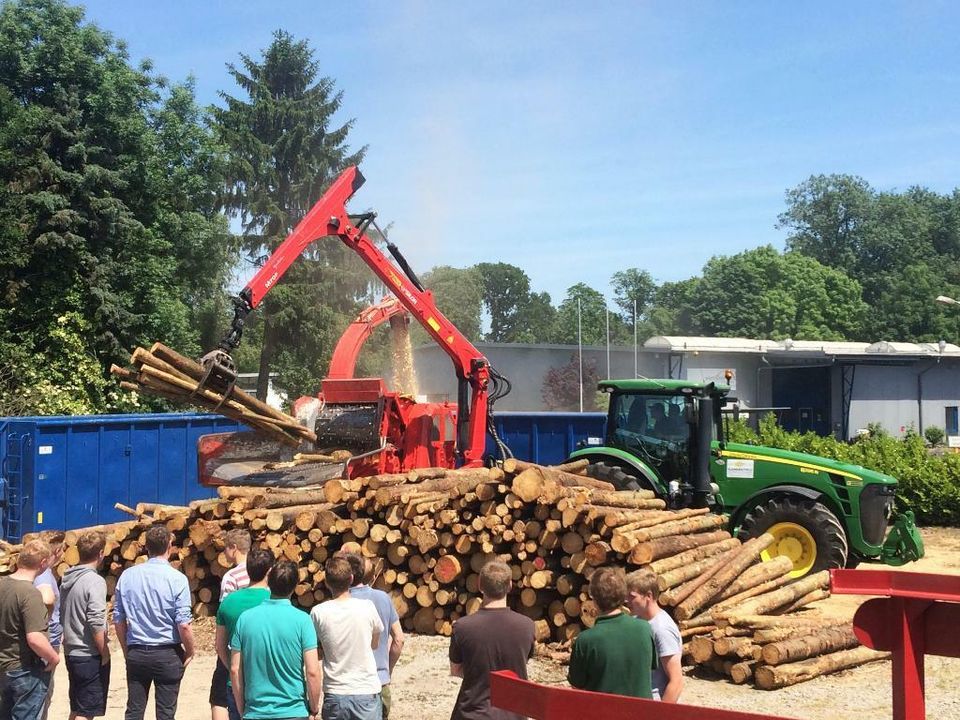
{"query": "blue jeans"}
(22, 693)
(351, 707)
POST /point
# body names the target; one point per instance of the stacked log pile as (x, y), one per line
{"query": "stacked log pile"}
(430, 531)
(777, 651)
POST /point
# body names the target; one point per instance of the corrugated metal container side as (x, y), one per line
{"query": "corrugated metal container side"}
(64, 472)
(547, 438)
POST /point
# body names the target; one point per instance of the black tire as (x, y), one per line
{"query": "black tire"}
(616, 476)
(828, 534)
(853, 560)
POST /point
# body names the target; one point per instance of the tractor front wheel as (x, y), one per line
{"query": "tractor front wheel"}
(803, 530)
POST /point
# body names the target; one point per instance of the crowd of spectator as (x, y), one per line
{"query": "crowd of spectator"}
(276, 662)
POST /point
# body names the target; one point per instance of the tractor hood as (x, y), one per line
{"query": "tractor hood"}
(812, 462)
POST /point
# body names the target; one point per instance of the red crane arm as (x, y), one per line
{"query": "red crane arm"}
(329, 217)
(344, 358)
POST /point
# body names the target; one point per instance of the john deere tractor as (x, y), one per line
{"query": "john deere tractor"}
(667, 436)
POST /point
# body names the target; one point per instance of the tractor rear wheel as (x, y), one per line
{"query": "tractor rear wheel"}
(803, 530)
(616, 476)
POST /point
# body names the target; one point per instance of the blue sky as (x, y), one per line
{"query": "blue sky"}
(577, 139)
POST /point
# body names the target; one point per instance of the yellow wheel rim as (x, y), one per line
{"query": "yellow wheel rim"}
(795, 542)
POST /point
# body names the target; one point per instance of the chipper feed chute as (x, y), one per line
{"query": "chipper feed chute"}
(246, 458)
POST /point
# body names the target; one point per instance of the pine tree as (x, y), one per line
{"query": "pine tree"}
(285, 149)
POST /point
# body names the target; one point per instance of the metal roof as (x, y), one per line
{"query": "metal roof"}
(679, 343)
(784, 348)
(649, 385)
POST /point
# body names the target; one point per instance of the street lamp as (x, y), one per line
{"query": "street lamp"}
(944, 300)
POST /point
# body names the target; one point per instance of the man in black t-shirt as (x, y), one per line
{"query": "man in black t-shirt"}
(493, 638)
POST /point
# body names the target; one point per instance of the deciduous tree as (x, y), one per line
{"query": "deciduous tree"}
(108, 231)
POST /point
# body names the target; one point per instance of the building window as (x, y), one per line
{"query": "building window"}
(952, 423)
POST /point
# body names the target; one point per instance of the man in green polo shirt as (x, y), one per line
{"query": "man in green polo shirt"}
(258, 564)
(274, 665)
(617, 654)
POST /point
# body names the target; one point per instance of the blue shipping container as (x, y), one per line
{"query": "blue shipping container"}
(546, 438)
(67, 472)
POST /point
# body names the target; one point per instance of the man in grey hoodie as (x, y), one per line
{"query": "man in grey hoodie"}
(83, 614)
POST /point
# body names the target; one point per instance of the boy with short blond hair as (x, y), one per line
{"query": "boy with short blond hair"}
(643, 592)
(236, 546)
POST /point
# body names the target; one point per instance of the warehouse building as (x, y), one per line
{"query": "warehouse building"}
(831, 388)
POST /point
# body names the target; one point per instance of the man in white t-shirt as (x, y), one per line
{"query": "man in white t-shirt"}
(643, 594)
(348, 631)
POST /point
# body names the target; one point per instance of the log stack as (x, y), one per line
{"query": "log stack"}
(430, 531)
(776, 651)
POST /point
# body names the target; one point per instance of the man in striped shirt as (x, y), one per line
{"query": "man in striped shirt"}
(236, 545)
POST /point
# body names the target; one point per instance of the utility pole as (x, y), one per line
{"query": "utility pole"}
(580, 350)
(608, 343)
(636, 367)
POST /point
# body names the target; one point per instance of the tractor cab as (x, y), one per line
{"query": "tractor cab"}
(669, 426)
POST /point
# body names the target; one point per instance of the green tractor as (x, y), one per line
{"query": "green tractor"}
(667, 436)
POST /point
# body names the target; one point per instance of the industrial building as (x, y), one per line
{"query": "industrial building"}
(831, 388)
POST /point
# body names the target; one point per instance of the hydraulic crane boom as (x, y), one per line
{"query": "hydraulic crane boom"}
(329, 217)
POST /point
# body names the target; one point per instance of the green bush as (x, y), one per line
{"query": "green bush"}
(929, 484)
(934, 435)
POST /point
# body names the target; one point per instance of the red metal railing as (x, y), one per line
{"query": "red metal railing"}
(542, 702)
(919, 617)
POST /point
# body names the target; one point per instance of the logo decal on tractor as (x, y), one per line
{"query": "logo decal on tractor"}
(737, 468)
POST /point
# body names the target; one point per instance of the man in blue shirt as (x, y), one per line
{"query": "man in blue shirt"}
(151, 615)
(390, 646)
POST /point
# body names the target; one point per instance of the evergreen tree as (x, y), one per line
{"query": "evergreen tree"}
(285, 148)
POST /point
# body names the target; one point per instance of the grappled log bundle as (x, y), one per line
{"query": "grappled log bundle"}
(164, 372)
(430, 531)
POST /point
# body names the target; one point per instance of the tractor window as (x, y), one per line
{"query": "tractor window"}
(655, 415)
(653, 427)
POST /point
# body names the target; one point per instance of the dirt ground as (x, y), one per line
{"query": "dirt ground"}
(423, 689)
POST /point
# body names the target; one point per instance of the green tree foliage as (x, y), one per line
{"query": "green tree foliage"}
(592, 315)
(561, 386)
(285, 148)
(516, 314)
(458, 293)
(539, 320)
(108, 230)
(929, 483)
(634, 291)
(903, 248)
(506, 291)
(670, 312)
(765, 294)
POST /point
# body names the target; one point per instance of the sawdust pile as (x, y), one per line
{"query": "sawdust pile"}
(404, 375)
